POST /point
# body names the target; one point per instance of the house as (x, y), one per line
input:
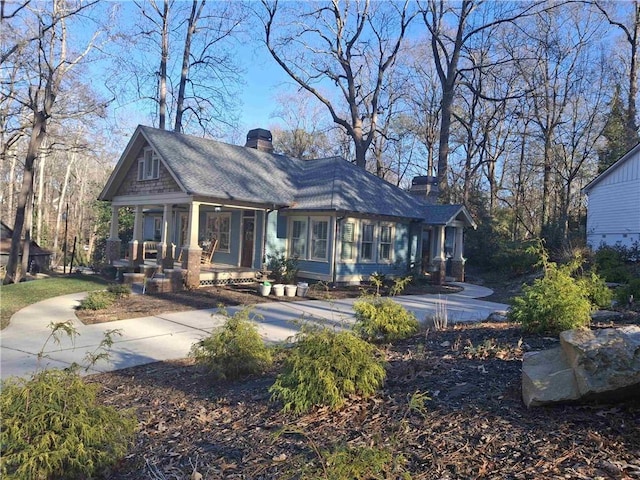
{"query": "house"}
(39, 258)
(613, 203)
(342, 223)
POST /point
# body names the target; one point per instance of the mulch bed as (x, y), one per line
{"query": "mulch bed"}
(474, 424)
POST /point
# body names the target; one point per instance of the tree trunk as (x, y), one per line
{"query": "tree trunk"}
(38, 133)
(162, 94)
(633, 71)
(184, 75)
(39, 197)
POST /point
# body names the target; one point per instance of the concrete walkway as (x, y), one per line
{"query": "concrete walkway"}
(25, 345)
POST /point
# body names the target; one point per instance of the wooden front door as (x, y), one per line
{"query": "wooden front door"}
(248, 227)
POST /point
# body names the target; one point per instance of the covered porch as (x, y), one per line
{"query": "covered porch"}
(195, 243)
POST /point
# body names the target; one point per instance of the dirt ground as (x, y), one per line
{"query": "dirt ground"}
(469, 423)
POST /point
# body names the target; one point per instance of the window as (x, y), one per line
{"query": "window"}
(366, 245)
(348, 250)
(218, 226)
(157, 228)
(384, 253)
(148, 165)
(319, 239)
(298, 247)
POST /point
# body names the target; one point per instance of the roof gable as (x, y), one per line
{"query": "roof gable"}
(630, 155)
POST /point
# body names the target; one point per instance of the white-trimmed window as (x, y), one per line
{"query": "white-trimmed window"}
(298, 246)
(148, 165)
(218, 226)
(386, 243)
(348, 248)
(319, 239)
(366, 242)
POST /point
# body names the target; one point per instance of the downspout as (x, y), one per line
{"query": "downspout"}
(335, 242)
(264, 237)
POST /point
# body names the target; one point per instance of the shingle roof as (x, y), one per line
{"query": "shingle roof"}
(215, 169)
(229, 172)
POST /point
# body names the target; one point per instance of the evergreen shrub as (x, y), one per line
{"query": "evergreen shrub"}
(359, 463)
(119, 289)
(597, 291)
(629, 293)
(53, 427)
(97, 300)
(235, 349)
(383, 320)
(555, 302)
(324, 367)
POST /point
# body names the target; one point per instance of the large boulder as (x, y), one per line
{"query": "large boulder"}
(588, 365)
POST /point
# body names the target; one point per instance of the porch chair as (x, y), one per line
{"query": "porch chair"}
(207, 255)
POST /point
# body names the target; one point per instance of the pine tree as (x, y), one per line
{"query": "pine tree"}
(620, 132)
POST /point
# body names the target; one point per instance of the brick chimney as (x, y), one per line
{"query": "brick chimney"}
(425, 187)
(260, 139)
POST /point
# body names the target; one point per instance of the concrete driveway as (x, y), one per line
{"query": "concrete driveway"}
(26, 345)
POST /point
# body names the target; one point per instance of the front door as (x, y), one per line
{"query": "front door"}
(248, 225)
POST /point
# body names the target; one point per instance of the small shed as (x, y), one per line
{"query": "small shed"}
(39, 258)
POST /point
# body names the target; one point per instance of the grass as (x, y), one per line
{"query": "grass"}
(17, 296)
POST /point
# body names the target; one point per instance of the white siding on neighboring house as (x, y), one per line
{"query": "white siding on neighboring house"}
(613, 209)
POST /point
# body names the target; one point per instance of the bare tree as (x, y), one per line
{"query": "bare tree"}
(471, 18)
(52, 62)
(350, 47)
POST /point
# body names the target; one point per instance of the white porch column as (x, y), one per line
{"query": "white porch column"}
(194, 224)
(439, 259)
(113, 227)
(458, 261)
(136, 246)
(192, 252)
(459, 244)
(165, 254)
(113, 242)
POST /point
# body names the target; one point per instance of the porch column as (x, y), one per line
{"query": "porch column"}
(165, 253)
(439, 260)
(192, 253)
(113, 242)
(458, 261)
(136, 245)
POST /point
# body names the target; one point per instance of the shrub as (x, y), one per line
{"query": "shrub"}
(324, 367)
(98, 300)
(597, 291)
(382, 319)
(53, 427)
(629, 292)
(610, 262)
(284, 269)
(119, 289)
(361, 463)
(234, 349)
(555, 302)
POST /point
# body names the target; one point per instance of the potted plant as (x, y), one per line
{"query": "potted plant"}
(264, 289)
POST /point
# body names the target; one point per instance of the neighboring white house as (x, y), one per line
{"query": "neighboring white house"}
(613, 203)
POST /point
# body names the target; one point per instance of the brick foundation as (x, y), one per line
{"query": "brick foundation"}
(191, 263)
(439, 271)
(113, 250)
(457, 270)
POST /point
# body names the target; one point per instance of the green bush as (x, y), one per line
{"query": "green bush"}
(625, 293)
(597, 291)
(370, 463)
(382, 319)
(324, 367)
(283, 269)
(119, 289)
(98, 300)
(554, 303)
(234, 349)
(610, 263)
(53, 427)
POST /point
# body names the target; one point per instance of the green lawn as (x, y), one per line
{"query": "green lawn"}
(17, 296)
